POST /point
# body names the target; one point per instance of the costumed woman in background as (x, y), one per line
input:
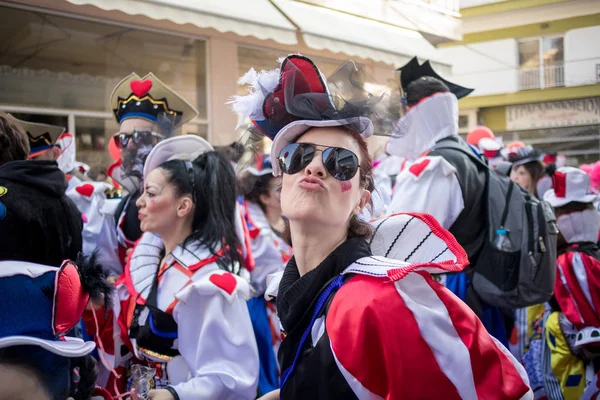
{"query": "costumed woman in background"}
(527, 168)
(182, 305)
(357, 325)
(40, 304)
(261, 207)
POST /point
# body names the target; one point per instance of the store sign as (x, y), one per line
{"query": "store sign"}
(553, 114)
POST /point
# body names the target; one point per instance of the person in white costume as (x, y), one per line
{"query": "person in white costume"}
(181, 304)
(443, 181)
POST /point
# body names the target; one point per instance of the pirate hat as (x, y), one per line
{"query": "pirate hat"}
(42, 137)
(285, 103)
(151, 99)
(413, 71)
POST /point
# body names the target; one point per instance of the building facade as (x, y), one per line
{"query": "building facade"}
(60, 59)
(535, 67)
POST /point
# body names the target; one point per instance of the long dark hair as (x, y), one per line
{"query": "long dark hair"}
(252, 187)
(536, 170)
(214, 185)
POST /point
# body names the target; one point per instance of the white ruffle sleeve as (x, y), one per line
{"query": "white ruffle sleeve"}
(429, 186)
(216, 340)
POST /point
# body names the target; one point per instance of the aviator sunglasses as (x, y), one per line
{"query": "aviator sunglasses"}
(139, 137)
(342, 164)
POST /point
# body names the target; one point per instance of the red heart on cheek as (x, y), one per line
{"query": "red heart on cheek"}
(85, 190)
(226, 282)
(416, 169)
(140, 88)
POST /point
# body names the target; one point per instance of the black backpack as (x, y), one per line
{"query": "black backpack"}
(515, 264)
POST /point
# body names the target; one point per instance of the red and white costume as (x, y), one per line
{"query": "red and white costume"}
(390, 331)
(212, 353)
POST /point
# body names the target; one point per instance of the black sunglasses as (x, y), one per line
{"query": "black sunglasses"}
(139, 137)
(341, 163)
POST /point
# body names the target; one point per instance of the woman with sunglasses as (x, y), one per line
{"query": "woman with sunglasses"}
(359, 326)
(182, 303)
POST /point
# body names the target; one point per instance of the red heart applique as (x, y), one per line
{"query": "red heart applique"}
(140, 88)
(227, 282)
(417, 168)
(85, 190)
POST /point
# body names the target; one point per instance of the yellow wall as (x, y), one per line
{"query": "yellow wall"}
(494, 118)
(531, 96)
(523, 31)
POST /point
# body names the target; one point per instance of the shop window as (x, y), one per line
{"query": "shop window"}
(541, 63)
(67, 63)
(54, 63)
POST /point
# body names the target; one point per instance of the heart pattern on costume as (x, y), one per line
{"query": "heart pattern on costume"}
(140, 88)
(226, 281)
(85, 190)
(417, 168)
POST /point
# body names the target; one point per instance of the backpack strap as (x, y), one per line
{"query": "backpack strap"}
(473, 174)
(332, 287)
(450, 143)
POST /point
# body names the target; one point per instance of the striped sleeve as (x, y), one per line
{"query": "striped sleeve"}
(414, 339)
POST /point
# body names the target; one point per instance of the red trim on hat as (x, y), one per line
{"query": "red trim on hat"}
(491, 153)
(462, 260)
(559, 183)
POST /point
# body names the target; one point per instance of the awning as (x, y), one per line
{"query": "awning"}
(325, 29)
(258, 18)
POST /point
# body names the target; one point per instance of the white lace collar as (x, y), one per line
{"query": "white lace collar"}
(431, 120)
(146, 257)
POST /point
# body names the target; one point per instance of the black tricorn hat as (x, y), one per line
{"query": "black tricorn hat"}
(412, 71)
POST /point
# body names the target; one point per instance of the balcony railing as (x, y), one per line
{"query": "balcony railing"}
(542, 77)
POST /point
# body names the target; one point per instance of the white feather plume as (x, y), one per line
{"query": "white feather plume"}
(260, 85)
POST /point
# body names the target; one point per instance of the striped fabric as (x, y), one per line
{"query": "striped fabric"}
(577, 288)
(412, 333)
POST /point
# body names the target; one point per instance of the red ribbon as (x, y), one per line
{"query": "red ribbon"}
(559, 183)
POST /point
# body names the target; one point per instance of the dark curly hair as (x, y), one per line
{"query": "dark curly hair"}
(14, 144)
(424, 87)
(213, 223)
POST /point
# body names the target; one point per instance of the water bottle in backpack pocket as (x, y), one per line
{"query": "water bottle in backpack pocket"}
(517, 263)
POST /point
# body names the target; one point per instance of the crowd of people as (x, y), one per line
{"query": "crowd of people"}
(443, 268)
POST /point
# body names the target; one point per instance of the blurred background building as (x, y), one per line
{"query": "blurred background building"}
(535, 67)
(534, 64)
(60, 59)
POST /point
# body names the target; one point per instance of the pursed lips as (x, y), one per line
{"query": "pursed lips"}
(311, 183)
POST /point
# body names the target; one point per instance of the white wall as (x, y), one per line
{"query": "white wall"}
(488, 67)
(582, 53)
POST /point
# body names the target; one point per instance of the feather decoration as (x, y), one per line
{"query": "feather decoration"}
(93, 279)
(260, 85)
